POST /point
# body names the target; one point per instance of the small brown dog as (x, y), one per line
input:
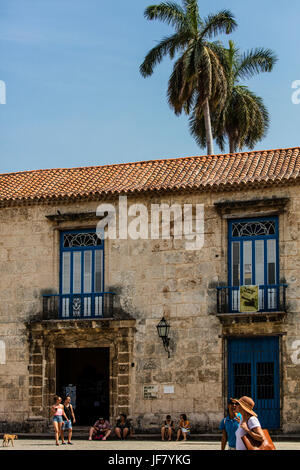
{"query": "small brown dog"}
(9, 438)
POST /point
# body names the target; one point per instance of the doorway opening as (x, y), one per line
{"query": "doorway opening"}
(253, 370)
(83, 373)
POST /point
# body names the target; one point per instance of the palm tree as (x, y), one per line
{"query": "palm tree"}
(244, 120)
(198, 80)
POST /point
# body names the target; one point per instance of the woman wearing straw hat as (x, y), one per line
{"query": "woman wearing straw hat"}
(249, 425)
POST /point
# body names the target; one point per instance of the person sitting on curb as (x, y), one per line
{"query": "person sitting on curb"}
(229, 426)
(167, 428)
(123, 427)
(101, 430)
(184, 427)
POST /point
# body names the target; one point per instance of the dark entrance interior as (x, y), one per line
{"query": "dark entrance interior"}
(84, 374)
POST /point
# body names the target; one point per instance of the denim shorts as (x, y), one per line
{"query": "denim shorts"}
(58, 419)
(185, 430)
(67, 424)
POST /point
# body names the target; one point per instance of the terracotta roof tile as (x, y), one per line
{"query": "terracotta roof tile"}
(200, 172)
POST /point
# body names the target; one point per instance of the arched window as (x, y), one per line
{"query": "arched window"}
(253, 260)
(82, 274)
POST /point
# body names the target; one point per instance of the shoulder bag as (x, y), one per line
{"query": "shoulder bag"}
(253, 444)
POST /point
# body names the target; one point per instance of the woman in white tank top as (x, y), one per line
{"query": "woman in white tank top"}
(249, 425)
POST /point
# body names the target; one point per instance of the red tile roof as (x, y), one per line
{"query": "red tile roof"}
(215, 172)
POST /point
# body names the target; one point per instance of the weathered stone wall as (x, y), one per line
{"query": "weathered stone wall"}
(153, 278)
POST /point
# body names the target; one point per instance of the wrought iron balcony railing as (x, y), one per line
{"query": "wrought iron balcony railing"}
(271, 298)
(78, 306)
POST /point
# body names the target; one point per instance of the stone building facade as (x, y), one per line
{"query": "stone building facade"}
(113, 355)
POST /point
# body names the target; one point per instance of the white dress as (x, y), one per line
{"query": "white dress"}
(240, 432)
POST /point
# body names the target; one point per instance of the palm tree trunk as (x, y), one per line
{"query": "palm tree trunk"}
(208, 131)
(231, 145)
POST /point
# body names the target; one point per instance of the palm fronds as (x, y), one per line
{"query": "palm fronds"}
(198, 76)
(167, 46)
(222, 22)
(167, 12)
(205, 80)
(244, 119)
(254, 62)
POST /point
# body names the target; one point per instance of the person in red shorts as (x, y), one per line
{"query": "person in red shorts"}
(101, 430)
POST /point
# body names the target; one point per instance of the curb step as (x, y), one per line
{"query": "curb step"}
(80, 435)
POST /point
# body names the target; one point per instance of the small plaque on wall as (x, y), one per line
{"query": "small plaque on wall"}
(150, 391)
(168, 388)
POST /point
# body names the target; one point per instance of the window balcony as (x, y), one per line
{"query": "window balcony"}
(270, 299)
(95, 305)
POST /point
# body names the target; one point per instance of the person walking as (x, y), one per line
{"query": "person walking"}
(229, 426)
(249, 424)
(57, 411)
(67, 424)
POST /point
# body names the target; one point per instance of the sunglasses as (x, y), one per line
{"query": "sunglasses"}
(232, 403)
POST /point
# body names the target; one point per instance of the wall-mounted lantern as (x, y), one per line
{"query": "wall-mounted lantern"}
(163, 329)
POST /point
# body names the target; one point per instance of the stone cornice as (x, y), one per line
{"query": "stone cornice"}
(276, 204)
(72, 216)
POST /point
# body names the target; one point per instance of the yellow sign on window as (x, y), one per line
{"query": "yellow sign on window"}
(248, 298)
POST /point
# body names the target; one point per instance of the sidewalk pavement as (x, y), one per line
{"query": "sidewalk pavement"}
(114, 445)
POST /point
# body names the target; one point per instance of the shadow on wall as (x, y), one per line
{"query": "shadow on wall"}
(49, 307)
(200, 423)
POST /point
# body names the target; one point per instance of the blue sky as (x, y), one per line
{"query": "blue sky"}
(75, 96)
